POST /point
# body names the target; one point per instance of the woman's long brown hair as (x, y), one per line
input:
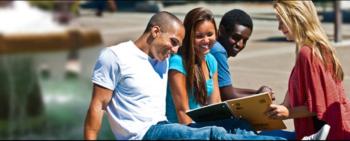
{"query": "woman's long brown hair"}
(195, 79)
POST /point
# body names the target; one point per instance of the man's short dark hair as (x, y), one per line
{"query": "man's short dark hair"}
(163, 19)
(236, 16)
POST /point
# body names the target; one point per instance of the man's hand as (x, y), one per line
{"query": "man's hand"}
(263, 89)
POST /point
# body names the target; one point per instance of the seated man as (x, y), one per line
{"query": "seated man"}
(130, 81)
(235, 29)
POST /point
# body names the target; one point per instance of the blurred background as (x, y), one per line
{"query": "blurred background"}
(48, 49)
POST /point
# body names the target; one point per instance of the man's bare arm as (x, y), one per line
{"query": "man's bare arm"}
(100, 98)
(230, 92)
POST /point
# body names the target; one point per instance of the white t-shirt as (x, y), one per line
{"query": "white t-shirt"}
(139, 89)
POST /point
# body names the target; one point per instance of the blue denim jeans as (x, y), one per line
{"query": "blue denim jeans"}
(234, 125)
(289, 135)
(170, 131)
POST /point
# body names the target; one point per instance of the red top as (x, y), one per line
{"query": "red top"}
(310, 84)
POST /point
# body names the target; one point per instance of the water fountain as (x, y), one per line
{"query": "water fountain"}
(21, 99)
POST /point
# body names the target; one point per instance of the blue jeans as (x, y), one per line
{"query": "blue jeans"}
(289, 135)
(234, 125)
(170, 131)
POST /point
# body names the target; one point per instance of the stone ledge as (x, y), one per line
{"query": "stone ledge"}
(50, 41)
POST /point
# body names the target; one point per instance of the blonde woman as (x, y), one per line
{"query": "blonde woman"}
(315, 95)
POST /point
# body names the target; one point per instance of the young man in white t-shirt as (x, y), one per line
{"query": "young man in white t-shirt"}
(130, 81)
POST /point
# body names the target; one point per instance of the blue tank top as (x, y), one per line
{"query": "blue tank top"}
(175, 63)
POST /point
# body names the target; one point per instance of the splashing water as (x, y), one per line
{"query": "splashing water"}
(23, 18)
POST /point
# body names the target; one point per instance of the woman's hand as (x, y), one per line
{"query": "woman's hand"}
(280, 112)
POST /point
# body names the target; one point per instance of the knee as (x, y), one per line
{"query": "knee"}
(245, 125)
(216, 132)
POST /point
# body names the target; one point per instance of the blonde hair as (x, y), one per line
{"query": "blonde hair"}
(302, 21)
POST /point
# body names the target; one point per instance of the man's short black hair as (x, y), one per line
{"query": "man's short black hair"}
(236, 16)
(163, 19)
